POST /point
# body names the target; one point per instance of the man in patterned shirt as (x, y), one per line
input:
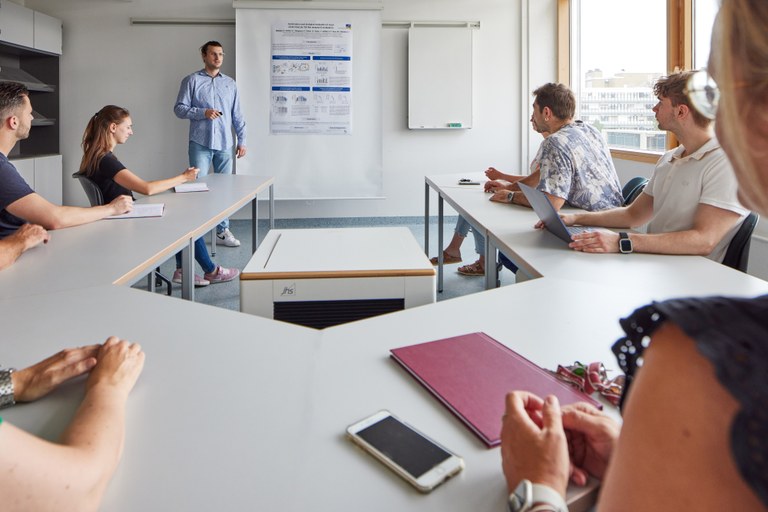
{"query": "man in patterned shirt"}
(575, 165)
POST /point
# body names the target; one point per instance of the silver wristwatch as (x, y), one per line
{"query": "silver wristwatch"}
(528, 497)
(6, 388)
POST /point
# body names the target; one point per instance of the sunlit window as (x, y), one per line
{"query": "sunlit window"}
(618, 51)
(704, 12)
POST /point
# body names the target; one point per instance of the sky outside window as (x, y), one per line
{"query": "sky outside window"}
(704, 12)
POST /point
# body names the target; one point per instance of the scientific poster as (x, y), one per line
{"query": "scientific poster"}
(311, 78)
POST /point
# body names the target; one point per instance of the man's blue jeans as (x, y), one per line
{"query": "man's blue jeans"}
(202, 158)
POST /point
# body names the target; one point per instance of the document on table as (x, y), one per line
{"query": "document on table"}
(196, 186)
(142, 210)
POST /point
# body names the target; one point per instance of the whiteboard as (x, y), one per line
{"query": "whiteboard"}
(311, 166)
(439, 77)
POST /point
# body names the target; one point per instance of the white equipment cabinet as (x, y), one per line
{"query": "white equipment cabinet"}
(324, 277)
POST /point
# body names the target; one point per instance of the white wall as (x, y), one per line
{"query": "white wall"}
(107, 60)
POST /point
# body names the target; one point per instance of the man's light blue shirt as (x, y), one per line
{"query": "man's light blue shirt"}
(198, 92)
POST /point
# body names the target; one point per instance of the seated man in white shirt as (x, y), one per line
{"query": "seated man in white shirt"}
(690, 200)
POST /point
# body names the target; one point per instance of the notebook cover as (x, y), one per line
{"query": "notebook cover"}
(472, 374)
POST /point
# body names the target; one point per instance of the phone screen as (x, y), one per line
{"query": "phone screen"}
(407, 448)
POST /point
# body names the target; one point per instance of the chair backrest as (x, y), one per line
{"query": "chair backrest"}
(92, 190)
(633, 188)
(737, 255)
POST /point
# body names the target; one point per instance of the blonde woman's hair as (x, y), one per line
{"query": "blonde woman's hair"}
(740, 62)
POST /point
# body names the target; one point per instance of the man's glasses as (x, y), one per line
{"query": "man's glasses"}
(703, 93)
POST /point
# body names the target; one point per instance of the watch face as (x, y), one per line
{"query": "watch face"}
(625, 245)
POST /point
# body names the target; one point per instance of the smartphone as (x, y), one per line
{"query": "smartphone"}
(467, 181)
(416, 458)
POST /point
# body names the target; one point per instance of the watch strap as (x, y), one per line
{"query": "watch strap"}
(530, 497)
(6, 388)
(546, 498)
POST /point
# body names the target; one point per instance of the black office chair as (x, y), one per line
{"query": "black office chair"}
(96, 198)
(633, 189)
(737, 255)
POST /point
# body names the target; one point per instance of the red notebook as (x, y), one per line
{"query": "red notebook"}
(472, 374)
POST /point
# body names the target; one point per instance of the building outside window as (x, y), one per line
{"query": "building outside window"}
(614, 65)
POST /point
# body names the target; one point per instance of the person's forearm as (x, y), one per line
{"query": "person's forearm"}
(97, 432)
(615, 218)
(10, 250)
(155, 187)
(511, 177)
(680, 242)
(68, 216)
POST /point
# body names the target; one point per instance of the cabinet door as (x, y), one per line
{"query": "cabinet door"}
(47, 33)
(16, 24)
(48, 178)
(26, 168)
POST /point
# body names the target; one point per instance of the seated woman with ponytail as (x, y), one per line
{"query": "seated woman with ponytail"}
(109, 127)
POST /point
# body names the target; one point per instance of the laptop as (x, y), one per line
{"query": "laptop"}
(548, 215)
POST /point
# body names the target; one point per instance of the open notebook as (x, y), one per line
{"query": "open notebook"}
(192, 186)
(472, 374)
(142, 210)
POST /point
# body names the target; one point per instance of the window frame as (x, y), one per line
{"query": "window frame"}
(679, 56)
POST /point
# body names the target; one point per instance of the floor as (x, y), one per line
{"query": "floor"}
(227, 295)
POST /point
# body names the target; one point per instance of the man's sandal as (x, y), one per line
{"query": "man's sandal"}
(475, 269)
(447, 259)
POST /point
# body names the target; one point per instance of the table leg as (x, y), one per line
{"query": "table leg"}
(426, 218)
(272, 206)
(254, 223)
(188, 271)
(440, 243)
(491, 270)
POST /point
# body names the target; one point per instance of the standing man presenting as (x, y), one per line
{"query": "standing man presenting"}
(209, 99)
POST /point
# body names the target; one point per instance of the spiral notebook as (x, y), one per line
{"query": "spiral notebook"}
(472, 374)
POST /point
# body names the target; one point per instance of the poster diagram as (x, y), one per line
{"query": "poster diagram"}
(311, 78)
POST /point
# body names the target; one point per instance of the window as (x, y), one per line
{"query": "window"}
(704, 12)
(614, 65)
(612, 51)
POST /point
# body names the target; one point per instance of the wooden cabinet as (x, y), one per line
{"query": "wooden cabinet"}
(17, 24)
(47, 33)
(21, 26)
(43, 174)
(30, 45)
(48, 178)
(26, 167)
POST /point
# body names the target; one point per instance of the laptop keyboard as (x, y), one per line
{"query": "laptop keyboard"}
(575, 230)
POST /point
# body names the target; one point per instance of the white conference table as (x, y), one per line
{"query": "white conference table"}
(471, 202)
(539, 253)
(120, 251)
(255, 420)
